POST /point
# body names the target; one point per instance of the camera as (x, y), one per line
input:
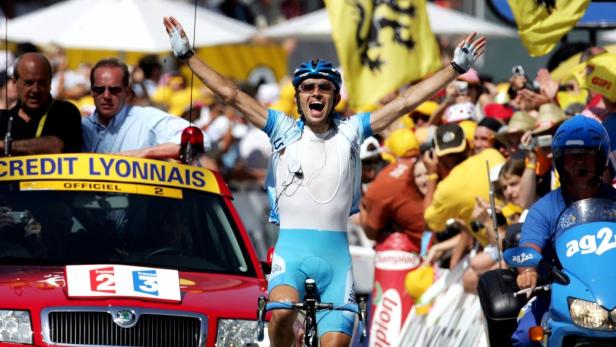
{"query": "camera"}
(500, 217)
(451, 229)
(541, 141)
(19, 217)
(518, 70)
(462, 87)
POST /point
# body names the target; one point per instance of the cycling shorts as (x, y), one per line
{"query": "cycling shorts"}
(323, 256)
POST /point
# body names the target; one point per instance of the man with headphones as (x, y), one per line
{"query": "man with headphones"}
(314, 180)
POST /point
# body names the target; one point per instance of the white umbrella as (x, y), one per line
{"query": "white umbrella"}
(125, 25)
(443, 21)
(609, 36)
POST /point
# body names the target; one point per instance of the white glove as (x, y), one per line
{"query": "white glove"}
(463, 58)
(180, 45)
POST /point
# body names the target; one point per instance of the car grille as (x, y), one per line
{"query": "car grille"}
(96, 327)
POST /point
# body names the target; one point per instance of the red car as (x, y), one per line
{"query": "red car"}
(103, 250)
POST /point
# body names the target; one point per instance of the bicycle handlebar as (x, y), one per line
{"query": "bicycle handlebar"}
(263, 308)
(281, 305)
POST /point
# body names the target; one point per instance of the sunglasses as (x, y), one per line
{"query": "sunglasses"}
(114, 90)
(309, 87)
(420, 117)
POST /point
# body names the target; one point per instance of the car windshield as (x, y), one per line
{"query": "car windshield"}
(586, 211)
(192, 232)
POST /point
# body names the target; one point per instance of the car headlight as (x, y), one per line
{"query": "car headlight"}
(587, 314)
(15, 326)
(238, 333)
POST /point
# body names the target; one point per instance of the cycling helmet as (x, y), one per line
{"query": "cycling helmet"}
(581, 132)
(317, 69)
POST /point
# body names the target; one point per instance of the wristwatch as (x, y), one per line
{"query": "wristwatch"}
(186, 55)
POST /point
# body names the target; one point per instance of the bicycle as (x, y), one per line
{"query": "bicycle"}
(308, 308)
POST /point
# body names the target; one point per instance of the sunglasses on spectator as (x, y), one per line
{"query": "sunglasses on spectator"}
(566, 88)
(309, 87)
(420, 117)
(114, 90)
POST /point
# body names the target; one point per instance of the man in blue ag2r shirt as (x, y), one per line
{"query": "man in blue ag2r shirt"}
(580, 149)
(315, 177)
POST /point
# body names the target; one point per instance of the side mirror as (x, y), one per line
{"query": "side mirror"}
(267, 264)
(522, 257)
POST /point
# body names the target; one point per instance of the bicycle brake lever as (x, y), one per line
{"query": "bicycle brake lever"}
(362, 318)
(261, 318)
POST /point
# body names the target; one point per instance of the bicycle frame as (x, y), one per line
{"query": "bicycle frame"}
(309, 308)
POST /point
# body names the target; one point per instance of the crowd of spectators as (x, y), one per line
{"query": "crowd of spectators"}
(448, 142)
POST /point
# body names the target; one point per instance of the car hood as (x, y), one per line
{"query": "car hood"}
(38, 287)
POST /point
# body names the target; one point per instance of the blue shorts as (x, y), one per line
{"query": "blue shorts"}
(323, 256)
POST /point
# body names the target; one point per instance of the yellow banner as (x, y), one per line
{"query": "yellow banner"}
(101, 167)
(110, 187)
(382, 46)
(540, 30)
(600, 75)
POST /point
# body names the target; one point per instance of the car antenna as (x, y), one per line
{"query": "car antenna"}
(191, 145)
(494, 219)
(8, 140)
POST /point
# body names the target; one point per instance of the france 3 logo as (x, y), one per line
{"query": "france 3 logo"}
(145, 281)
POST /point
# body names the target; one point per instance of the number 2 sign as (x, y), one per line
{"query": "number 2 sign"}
(103, 280)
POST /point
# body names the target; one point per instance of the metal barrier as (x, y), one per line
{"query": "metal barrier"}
(454, 318)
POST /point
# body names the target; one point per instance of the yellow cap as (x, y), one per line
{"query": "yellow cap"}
(401, 141)
(511, 209)
(426, 107)
(565, 99)
(418, 281)
(469, 126)
(502, 95)
(407, 121)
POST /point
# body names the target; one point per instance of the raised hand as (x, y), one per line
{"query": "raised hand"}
(179, 42)
(467, 52)
(547, 85)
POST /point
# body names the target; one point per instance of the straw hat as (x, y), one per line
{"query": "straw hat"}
(520, 122)
(550, 116)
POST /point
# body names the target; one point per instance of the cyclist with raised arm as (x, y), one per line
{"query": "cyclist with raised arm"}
(315, 177)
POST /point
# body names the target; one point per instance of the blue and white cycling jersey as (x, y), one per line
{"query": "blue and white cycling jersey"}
(284, 131)
(314, 184)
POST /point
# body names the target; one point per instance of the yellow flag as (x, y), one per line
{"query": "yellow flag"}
(381, 46)
(601, 75)
(540, 30)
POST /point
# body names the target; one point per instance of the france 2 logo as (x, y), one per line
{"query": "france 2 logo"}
(145, 281)
(103, 280)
